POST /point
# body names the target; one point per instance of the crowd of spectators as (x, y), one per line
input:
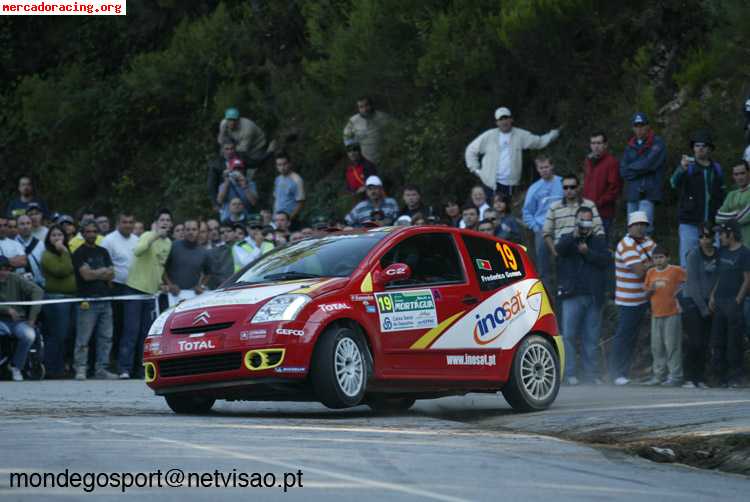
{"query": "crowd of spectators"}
(566, 219)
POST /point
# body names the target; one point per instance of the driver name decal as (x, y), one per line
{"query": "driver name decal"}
(405, 310)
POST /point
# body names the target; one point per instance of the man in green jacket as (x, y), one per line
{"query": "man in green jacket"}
(736, 206)
(13, 320)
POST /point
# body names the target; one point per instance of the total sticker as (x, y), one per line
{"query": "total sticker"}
(405, 310)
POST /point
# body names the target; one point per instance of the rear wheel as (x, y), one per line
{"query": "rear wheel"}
(339, 368)
(389, 404)
(535, 376)
(188, 404)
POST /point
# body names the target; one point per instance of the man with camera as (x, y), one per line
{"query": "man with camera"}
(642, 167)
(582, 261)
(700, 180)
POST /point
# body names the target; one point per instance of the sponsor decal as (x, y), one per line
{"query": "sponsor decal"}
(390, 272)
(471, 360)
(490, 326)
(510, 274)
(289, 369)
(333, 307)
(370, 309)
(253, 334)
(184, 345)
(405, 310)
(292, 332)
(483, 264)
(362, 298)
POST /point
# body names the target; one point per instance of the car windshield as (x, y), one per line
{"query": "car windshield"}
(329, 256)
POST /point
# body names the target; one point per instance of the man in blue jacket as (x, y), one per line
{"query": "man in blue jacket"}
(642, 168)
(582, 262)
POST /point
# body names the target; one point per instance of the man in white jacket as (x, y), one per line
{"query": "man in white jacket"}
(496, 155)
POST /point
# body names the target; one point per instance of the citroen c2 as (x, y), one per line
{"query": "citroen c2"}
(381, 317)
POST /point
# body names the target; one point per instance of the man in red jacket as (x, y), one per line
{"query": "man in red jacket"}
(601, 180)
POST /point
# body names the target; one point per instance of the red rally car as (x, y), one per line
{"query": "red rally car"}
(380, 317)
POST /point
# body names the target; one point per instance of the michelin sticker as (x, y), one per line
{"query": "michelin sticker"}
(405, 310)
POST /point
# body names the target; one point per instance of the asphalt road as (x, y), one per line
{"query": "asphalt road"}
(450, 449)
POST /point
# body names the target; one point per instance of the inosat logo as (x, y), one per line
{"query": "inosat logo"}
(490, 326)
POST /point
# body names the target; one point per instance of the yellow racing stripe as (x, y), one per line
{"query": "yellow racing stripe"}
(429, 337)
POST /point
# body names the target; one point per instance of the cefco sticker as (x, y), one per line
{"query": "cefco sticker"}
(333, 307)
(292, 332)
(184, 345)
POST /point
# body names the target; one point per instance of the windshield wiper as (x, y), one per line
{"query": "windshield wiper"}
(281, 276)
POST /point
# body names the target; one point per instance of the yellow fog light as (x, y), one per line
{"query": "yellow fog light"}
(263, 359)
(150, 372)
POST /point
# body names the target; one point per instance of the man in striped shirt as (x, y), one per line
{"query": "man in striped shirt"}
(561, 216)
(632, 260)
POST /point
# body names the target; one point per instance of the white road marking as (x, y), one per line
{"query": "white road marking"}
(410, 490)
(646, 406)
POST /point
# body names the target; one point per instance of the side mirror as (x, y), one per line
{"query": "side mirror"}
(393, 272)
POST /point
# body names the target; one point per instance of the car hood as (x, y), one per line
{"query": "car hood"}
(251, 295)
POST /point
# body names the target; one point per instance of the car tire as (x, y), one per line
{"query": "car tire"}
(389, 404)
(189, 404)
(339, 369)
(534, 377)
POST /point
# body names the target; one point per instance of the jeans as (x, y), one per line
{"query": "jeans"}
(95, 319)
(581, 317)
(726, 341)
(666, 347)
(139, 314)
(626, 335)
(688, 241)
(57, 331)
(24, 335)
(648, 207)
(698, 331)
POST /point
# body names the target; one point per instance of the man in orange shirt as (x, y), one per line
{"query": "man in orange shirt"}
(662, 284)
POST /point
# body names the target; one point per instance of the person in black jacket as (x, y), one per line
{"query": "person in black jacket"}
(701, 184)
(582, 262)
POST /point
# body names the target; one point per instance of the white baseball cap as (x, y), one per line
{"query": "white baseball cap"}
(502, 112)
(638, 217)
(373, 181)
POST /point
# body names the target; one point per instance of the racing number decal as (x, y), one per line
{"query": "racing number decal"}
(506, 253)
(406, 310)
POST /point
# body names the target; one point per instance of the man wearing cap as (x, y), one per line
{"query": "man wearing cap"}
(18, 206)
(14, 321)
(496, 154)
(726, 301)
(632, 260)
(375, 201)
(642, 167)
(366, 129)
(248, 138)
(700, 182)
(288, 188)
(358, 169)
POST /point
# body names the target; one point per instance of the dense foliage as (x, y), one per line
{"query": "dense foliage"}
(123, 112)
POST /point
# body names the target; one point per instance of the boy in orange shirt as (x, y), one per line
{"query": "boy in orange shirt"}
(662, 284)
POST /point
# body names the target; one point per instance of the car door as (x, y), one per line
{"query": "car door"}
(412, 313)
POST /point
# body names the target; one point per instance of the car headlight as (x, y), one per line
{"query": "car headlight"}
(157, 327)
(281, 308)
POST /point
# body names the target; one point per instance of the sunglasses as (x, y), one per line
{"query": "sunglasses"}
(570, 187)
(700, 145)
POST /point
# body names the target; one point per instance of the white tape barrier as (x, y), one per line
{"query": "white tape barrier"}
(82, 299)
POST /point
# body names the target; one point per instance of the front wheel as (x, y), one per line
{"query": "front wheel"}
(189, 405)
(339, 368)
(535, 376)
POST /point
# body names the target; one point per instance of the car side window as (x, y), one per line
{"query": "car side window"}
(433, 259)
(496, 264)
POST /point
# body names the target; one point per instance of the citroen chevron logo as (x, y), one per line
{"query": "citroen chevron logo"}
(202, 317)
